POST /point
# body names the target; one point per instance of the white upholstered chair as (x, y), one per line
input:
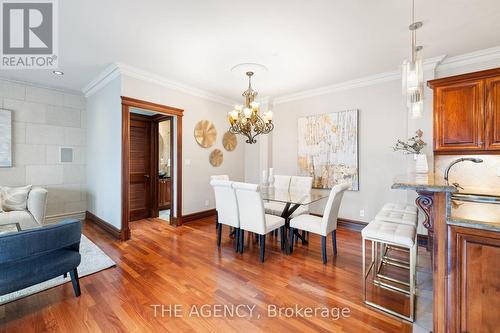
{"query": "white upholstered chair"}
(219, 177)
(281, 184)
(253, 217)
(226, 206)
(322, 225)
(300, 184)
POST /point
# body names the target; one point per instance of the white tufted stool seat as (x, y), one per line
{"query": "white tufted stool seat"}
(401, 207)
(397, 217)
(382, 233)
(388, 232)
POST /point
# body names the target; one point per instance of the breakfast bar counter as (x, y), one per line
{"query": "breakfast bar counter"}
(464, 240)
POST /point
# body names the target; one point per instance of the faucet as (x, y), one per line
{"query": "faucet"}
(447, 171)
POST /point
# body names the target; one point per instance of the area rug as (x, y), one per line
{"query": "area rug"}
(93, 260)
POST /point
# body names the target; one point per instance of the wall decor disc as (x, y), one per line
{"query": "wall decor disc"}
(216, 157)
(229, 141)
(205, 133)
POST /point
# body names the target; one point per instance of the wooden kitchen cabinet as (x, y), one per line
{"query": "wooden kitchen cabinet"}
(165, 193)
(467, 113)
(474, 280)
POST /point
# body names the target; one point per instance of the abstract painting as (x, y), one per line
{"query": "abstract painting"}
(328, 149)
(5, 138)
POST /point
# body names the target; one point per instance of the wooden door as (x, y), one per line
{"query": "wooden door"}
(475, 280)
(459, 117)
(493, 113)
(140, 203)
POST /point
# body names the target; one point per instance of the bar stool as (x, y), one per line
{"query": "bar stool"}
(386, 233)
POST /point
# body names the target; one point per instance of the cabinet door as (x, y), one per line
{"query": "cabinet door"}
(493, 113)
(475, 280)
(459, 117)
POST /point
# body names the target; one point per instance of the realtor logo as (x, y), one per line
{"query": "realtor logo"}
(29, 34)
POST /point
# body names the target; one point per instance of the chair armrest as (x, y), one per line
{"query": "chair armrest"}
(37, 203)
(24, 244)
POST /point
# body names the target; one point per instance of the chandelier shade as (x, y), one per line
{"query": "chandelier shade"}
(413, 74)
(246, 119)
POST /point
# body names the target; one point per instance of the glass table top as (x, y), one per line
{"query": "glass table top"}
(295, 198)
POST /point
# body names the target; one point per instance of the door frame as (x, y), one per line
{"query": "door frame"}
(177, 114)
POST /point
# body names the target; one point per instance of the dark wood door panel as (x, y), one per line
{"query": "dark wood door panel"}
(475, 280)
(493, 114)
(459, 117)
(140, 196)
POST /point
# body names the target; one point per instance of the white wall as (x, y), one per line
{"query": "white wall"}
(195, 181)
(382, 119)
(104, 135)
(44, 120)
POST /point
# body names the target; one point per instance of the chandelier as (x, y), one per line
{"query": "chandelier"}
(413, 77)
(246, 120)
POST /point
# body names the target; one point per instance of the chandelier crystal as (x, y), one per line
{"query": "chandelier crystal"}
(246, 119)
(413, 76)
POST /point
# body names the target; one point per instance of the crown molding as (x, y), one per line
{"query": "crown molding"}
(107, 75)
(116, 69)
(429, 64)
(42, 86)
(181, 87)
(471, 58)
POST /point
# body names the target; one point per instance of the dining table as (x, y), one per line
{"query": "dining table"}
(292, 200)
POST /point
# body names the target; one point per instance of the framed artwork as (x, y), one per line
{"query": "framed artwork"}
(328, 148)
(5, 138)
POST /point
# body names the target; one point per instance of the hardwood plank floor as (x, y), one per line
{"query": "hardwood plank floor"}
(164, 265)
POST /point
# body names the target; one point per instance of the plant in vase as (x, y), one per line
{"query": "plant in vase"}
(414, 145)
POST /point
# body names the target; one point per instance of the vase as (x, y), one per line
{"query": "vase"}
(421, 165)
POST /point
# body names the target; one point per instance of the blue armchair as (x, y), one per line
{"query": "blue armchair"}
(40, 254)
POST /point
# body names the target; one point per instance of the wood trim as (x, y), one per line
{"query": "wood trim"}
(128, 102)
(132, 102)
(113, 231)
(125, 171)
(463, 77)
(199, 215)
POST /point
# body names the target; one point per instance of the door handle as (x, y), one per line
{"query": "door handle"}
(147, 176)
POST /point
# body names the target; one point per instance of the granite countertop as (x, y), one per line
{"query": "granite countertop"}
(422, 182)
(484, 216)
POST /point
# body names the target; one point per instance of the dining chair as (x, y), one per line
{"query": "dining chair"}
(253, 217)
(281, 183)
(322, 225)
(301, 184)
(219, 177)
(226, 207)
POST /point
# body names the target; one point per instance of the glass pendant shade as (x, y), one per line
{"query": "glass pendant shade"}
(413, 86)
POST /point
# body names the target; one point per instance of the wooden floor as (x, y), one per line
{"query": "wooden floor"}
(163, 265)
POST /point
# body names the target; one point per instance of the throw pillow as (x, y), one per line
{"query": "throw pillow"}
(15, 198)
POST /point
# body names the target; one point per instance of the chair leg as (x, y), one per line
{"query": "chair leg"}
(323, 248)
(291, 239)
(285, 241)
(262, 247)
(303, 237)
(65, 275)
(75, 282)
(219, 231)
(334, 242)
(236, 238)
(242, 240)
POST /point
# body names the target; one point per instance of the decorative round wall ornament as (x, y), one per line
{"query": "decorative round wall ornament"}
(216, 157)
(229, 141)
(205, 133)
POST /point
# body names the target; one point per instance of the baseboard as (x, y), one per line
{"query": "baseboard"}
(113, 231)
(58, 217)
(198, 215)
(351, 224)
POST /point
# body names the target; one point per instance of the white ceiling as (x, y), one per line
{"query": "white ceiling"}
(304, 44)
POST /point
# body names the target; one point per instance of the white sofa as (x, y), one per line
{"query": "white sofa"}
(33, 216)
